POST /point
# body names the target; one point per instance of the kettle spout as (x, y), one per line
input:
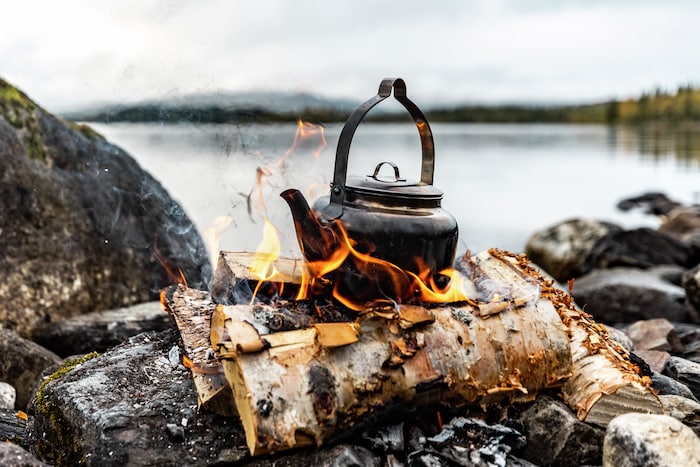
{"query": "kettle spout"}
(317, 241)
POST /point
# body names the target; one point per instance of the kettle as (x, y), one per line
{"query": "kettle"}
(399, 222)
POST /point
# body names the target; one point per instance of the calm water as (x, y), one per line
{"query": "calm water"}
(501, 182)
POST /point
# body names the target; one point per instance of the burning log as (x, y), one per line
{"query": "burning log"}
(306, 386)
(303, 373)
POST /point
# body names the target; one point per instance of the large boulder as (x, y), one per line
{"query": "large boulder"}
(562, 249)
(641, 248)
(83, 226)
(626, 295)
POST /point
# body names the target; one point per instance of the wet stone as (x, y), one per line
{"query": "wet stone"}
(666, 385)
(626, 295)
(686, 372)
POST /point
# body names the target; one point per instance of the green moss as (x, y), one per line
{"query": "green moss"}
(21, 112)
(67, 443)
(86, 130)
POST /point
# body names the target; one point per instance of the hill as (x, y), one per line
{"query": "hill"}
(680, 106)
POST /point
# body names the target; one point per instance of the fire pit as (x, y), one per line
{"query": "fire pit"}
(377, 316)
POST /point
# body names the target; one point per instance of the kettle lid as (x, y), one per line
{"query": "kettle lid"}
(392, 188)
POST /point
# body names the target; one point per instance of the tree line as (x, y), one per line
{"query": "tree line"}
(679, 106)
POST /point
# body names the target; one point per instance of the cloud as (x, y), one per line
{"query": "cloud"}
(69, 54)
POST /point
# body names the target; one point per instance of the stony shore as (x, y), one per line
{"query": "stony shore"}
(91, 367)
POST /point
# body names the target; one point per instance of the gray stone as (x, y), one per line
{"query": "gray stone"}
(557, 437)
(100, 330)
(666, 385)
(21, 364)
(691, 284)
(8, 395)
(635, 439)
(686, 372)
(114, 409)
(624, 295)
(621, 338)
(640, 248)
(683, 409)
(84, 227)
(561, 250)
(12, 455)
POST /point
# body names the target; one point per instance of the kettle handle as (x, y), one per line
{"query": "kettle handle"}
(335, 208)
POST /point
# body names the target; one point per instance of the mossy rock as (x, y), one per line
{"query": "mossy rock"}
(85, 228)
(69, 450)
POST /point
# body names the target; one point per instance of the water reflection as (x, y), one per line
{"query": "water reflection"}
(660, 142)
(501, 181)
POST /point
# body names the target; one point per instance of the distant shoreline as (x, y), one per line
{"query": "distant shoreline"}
(679, 108)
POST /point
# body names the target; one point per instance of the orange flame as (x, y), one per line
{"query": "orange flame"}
(175, 277)
(305, 131)
(389, 280)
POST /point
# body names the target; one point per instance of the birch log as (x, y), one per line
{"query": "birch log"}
(191, 310)
(605, 383)
(303, 387)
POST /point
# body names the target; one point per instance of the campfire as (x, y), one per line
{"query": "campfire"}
(379, 315)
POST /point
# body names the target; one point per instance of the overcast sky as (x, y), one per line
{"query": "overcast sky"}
(68, 54)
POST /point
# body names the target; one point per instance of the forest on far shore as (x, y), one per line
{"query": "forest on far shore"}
(681, 106)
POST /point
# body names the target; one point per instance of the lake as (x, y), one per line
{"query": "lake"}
(502, 182)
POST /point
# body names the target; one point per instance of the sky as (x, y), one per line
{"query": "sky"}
(72, 54)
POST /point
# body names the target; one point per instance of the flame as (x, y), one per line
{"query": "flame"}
(212, 236)
(306, 131)
(394, 283)
(267, 252)
(175, 275)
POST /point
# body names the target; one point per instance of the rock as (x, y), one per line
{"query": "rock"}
(691, 284)
(114, 409)
(654, 334)
(653, 203)
(12, 455)
(683, 409)
(624, 295)
(686, 372)
(656, 359)
(83, 226)
(635, 439)
(21, 364)
(640, 248)
(557, 437)
(665, 385)
(683, 223)
(620, 337)
(100, 330)
(561, 250)
(8, 395)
